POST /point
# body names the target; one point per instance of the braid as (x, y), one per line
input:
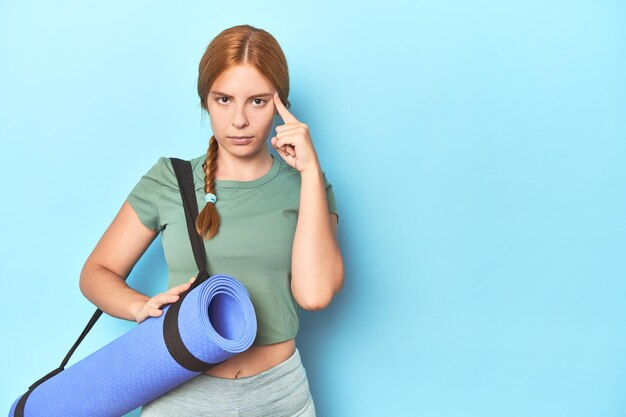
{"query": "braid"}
(208, 220)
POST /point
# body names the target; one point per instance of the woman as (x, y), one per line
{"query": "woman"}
(269, 222)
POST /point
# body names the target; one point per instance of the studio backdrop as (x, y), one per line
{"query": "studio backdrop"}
(477, 152)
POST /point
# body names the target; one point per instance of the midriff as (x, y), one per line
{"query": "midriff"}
(254, 360)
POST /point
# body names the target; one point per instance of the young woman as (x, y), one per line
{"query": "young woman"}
(269, 222)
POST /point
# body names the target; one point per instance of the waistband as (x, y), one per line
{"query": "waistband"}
(293, 363)
(285, 383)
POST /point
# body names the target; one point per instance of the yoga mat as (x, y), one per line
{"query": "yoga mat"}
(216, 321)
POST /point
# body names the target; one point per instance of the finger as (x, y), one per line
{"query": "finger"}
(285, 139)
(291, 127)
(286, 151)
(289, 153)
(165, 298)
(282, 110)
(285, 148)
(179, 288)
(280, 148)
(170, 298)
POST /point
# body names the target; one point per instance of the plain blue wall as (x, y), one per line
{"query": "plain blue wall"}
(477, 151)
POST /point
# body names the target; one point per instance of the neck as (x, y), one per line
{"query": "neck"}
(234, 168)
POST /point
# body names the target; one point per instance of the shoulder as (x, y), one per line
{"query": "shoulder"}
(162, 172)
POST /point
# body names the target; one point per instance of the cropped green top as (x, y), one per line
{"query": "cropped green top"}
(253, 244)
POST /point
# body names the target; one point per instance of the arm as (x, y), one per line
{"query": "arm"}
(102, 277)
(316, 261)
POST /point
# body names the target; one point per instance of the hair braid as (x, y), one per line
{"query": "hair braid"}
(208, 220)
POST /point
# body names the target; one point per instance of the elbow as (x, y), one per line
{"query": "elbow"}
(314, 303)
(85, 278)
(319, 299)
(312, 294)
(82, 281)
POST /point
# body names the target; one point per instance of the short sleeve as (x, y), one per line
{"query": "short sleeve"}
(330, 197)
(145, 195)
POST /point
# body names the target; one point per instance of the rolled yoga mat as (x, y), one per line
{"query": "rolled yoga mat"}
(216, 320)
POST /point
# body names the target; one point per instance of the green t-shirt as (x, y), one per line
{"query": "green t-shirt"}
(254, 241)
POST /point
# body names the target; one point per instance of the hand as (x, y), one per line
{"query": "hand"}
(152, 307)
(293, 142)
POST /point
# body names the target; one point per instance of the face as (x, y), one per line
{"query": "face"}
(240, 104)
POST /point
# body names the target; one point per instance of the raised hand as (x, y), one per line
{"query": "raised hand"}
(293, 142)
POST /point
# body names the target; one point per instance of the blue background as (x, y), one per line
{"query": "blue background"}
(477, 151)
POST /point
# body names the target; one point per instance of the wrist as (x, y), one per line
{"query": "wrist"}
(136, 306)
(314, 171)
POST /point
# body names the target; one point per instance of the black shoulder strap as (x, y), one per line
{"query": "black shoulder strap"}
(171, 333)
(21, 404)
(184, 176)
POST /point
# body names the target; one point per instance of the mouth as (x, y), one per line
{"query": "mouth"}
(240, 140)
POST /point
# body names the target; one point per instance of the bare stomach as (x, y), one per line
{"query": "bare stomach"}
(254, 360)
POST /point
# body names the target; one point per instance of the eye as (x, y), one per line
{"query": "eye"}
(219, 99)
(263, 101)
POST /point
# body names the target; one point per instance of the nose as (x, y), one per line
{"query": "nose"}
(240, 120)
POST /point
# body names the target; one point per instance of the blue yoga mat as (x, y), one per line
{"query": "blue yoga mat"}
(216, 321)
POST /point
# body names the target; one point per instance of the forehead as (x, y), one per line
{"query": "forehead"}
(242, 80)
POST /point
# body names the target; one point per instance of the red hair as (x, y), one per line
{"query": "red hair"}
(243, 44)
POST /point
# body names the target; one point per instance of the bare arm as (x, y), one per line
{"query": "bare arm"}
(117, 251)
(316, 262)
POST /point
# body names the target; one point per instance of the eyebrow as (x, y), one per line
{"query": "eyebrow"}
(255, 95)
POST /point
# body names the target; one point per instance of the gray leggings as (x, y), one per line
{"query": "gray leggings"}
(282, 390)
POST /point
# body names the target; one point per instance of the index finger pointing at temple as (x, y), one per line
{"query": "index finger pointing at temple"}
(282, 110)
